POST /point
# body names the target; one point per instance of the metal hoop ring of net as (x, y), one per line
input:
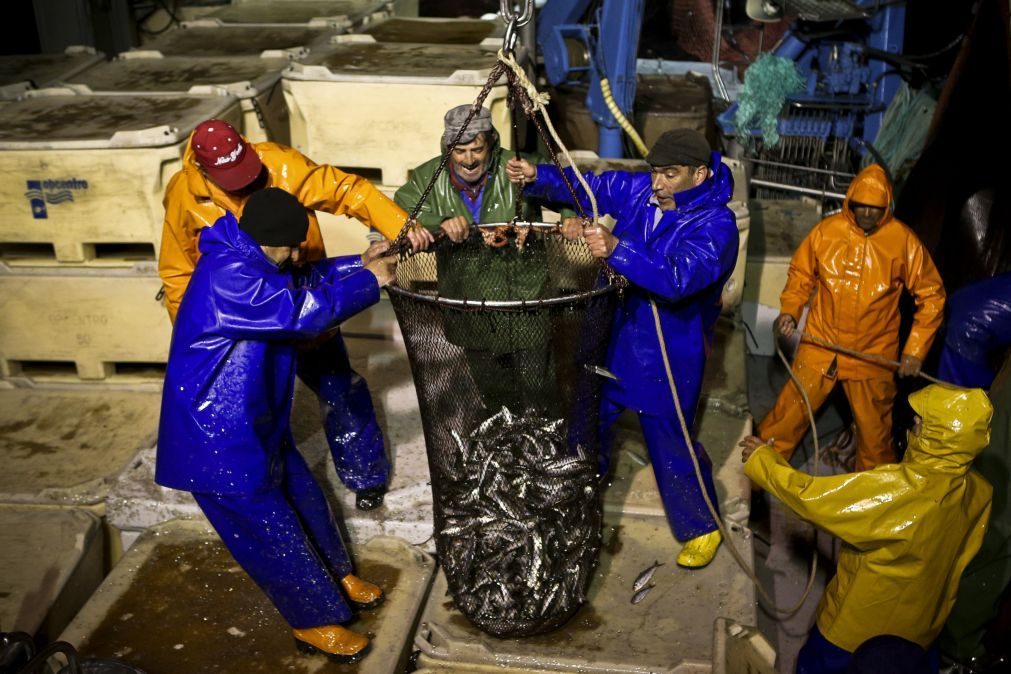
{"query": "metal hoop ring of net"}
(506, 333)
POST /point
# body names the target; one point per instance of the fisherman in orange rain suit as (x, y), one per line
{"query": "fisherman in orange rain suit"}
(220, 171)
(852, 268)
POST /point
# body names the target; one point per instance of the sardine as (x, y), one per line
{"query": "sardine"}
(645, 576)
(641, 594)
(602, 371)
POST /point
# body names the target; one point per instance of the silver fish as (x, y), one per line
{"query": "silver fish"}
(643, 578)
(602, 371)
(641, 594)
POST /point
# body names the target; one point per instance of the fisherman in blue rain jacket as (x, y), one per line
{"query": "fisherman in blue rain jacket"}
(225, 431)
(675, 240)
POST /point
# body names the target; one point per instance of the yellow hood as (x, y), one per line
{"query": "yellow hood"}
(871, 187)
(956, 426)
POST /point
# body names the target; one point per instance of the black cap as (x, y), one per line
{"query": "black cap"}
(680, 147)
(274, 218)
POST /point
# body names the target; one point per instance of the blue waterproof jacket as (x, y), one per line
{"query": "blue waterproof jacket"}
(682, 262)
(226, 403)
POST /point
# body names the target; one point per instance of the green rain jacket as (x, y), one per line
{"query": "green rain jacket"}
(480, 272)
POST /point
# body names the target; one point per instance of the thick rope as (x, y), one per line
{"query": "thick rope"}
(721, 525)
(873, 358)
(539, 100)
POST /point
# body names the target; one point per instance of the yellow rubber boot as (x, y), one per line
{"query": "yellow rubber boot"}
(362, 593)
(338, 643)
(699, 551)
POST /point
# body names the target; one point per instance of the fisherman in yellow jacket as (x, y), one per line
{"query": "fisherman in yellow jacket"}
(221, 170)
(908, 529)
(851, 270)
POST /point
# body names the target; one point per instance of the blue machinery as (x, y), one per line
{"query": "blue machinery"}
(848, 68)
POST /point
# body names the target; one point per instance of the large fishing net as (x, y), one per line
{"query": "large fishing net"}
(506, 333)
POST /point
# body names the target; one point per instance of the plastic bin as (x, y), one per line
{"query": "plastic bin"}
(178, 602)
(50, 563)
(377, 108)
(20, 73)
(212, 37)
(85, 174)
(65, 447)
(342, 14)
(254, 80)
(670, 631)
(434, 30)
(79, 324)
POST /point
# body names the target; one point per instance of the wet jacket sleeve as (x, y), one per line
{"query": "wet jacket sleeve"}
(863, 509)
(701, 258)
(326, 188)
(333, 269)
(178, 253)
(257, 307)
(609, 188)
(410, 194)
(800, 278)
(924, 283)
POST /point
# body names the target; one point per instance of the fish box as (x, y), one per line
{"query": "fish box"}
(212, 37)
(609, 633)
(82, 177)
(254, 80)
(430, 30)
(391, 99)
(343, 14)
(20, 73)
(83, 324)
(65, 447)
(51, 562)
(178, 602)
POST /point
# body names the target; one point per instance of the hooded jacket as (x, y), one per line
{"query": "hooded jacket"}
(192, 202)
(226, 402)
(908, 529)
(856, 280)
(682, 261)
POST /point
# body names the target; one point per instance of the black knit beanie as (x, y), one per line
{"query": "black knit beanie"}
(680, 147)
(274, 218)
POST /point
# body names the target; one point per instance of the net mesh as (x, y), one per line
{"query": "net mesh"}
(506, 333)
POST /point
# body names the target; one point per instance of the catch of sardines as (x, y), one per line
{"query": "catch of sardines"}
(521, 524)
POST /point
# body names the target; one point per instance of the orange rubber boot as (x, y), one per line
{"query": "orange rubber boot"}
(338, 643)
(362, 593)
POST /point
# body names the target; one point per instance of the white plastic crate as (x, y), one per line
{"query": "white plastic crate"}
(82, 177)
(668, 632)
(20, 73)
(50, 563)
(80, 324)
(212, 37)
(343, 14)
(431, 30)
(178, 602)
(364, 105)
(65, 446)
(254, 80)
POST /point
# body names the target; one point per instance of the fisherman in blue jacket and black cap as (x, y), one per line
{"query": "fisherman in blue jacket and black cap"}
(676, 242)
(225, 431)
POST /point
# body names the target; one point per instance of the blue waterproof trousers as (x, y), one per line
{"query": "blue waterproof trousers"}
(287, 540)
(349, 419)
(675, 474)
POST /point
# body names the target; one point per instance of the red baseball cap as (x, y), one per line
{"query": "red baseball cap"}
(222, 153)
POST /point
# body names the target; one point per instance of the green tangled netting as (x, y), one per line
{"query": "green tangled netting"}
(767, 82)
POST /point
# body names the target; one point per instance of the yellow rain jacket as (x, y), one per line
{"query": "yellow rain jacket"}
(857, 279)
(908, 529)
(193, 202)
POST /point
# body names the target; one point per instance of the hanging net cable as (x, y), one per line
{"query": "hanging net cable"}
(507, 336)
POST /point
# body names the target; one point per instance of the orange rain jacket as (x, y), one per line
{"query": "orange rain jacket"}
(193, 202)
(857, 279)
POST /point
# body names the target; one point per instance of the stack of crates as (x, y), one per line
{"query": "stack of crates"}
(80, 224)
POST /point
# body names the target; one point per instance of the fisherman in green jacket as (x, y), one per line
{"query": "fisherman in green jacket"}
(508, 352)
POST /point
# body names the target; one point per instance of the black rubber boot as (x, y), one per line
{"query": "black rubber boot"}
(370, 499)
